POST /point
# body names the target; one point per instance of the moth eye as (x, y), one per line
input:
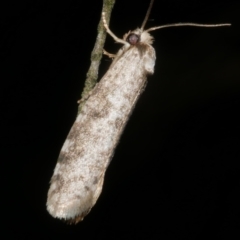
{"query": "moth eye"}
(133, 38)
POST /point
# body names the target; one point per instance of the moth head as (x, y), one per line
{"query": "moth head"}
(138, 36)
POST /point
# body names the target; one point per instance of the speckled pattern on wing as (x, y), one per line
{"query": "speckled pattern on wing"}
(79, 174)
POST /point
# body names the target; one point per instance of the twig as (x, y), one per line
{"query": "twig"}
(96, 55)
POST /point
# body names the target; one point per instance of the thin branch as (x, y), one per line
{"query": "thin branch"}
(96, 55)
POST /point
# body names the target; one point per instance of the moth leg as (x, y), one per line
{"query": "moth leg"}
(110, 55)
(119, 40)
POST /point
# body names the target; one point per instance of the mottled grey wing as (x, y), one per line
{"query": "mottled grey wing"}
(78, 177)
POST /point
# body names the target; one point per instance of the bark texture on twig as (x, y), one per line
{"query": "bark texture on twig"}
(96, 55)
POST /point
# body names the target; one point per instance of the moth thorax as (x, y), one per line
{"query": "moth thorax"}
(133, 38)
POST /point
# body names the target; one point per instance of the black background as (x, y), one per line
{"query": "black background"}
(175, 172)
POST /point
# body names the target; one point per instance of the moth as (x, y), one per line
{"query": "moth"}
(79, 173)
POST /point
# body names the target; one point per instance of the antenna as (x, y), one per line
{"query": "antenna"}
(176, 24)
(147, 15)
(188, 24)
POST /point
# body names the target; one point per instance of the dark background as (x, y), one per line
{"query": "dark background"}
(175, 173)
